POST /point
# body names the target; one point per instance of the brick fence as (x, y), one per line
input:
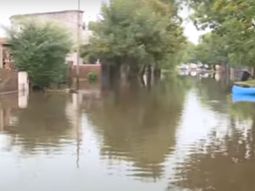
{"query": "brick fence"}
(8, 81)
(86, 69)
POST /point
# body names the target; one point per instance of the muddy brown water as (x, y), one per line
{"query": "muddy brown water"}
(181, 135)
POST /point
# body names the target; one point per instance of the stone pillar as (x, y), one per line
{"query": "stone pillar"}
(23, 81)
(23, 89)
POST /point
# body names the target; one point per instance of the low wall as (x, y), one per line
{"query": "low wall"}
(85, 69)
(8, 81)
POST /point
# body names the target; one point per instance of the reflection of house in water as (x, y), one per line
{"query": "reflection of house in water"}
(44, 126)
(87, 97)
(8, 109)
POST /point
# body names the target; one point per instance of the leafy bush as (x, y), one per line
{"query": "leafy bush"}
(92, 77)
(40, 49)
(136, 33)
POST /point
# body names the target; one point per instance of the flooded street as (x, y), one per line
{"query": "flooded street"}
(181, 135)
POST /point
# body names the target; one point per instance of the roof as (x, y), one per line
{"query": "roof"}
(45, 13)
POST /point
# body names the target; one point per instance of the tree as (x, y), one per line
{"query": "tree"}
(189, 53)
(212, 50)
(40, 49)
(138, 34)
(233, 22)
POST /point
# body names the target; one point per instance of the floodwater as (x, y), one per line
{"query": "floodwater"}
(181, 135)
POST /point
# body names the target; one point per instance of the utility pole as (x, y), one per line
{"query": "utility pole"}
(78, 87)
(78, 46)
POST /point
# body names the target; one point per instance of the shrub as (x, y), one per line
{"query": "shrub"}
(92, 77)
(40, 49)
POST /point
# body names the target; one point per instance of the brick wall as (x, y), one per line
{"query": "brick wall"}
(86, 69)
(8, 81)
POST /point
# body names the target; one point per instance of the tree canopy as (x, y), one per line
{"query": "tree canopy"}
(40, 49)
(137, 33)
(233, 27)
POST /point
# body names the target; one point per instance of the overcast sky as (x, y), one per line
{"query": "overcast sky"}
(91, 8)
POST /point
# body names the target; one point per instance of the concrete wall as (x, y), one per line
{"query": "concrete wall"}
(72, 59)
(72, 20)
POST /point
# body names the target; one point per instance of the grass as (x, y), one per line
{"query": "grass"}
(250, 83)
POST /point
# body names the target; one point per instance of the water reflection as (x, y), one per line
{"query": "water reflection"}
(222, 163)
(42, 125)
(182, 134)
(8, 108)
(139, 126)
(219, 153)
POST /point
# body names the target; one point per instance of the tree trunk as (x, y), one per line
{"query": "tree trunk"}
(157, 74)
(253, 72)
(141, 75)
(149, 75)
(133, 71)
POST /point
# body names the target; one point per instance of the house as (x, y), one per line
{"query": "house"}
(72, 20)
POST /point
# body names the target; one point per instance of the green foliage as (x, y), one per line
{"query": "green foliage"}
(189, 53)
(212, 50)
(92, 77)
(232, 23)
(40, 49)
(137, 33)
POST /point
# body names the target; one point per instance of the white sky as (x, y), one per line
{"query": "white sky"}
(190, 30)
(91, 8)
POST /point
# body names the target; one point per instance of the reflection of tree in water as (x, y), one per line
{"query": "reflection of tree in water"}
(213, 94)
(43, 124)
(227, 163)
(139, 126)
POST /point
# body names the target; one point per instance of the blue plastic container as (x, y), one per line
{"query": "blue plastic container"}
(238, 90)
(248, 98)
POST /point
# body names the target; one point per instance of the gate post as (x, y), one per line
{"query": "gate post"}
(23, 89)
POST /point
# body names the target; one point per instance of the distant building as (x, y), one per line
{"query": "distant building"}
(72, 20)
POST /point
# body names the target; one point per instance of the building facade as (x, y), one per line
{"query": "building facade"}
(72, 20)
